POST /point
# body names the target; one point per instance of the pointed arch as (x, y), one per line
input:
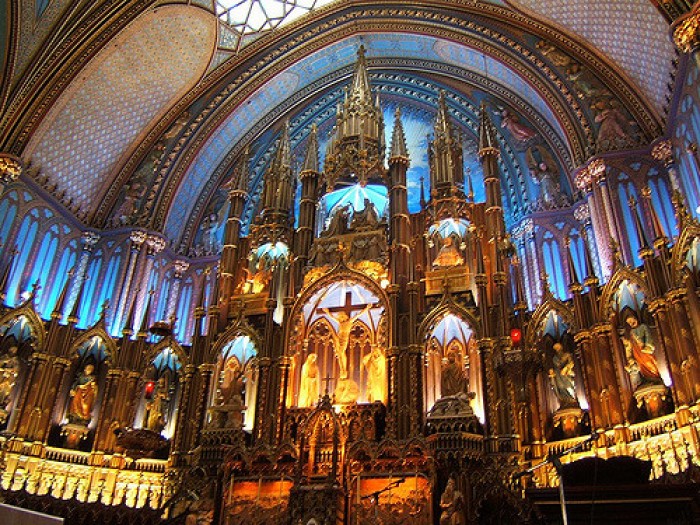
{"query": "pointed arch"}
(167, 342)
(239, 326)
(97, 330)
(36, 325)
(447, 306)
(622, 274)
(679, 251)
(539, 317)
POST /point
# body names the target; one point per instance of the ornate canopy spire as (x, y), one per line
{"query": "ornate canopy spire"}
(487, 133)
(398, 137)
(311, 160)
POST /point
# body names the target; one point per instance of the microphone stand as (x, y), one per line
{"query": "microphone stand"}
(555, 460)
(375, 496)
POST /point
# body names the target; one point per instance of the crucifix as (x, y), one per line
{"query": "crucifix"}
(343, 315)
(327, 380)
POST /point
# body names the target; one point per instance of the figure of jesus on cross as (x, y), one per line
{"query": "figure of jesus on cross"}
(343, 316)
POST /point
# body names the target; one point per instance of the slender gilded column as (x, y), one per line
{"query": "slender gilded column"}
(180, 267)
(154, 245)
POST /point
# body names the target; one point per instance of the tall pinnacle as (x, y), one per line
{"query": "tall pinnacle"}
(398, 138)
(311, 160)
(243, 175)
(442, 121)
(360, 88)
(283, 158)
(487, 133)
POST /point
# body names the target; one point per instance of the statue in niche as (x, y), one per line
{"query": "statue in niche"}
(520, 133)
(375, 364)
(157, 407)
(342, 340)
(544, 173)
(231, 382)
(368, 218)
(614, 128)
(448, 255)
(374, 249)
(453, 380)
(210, 227)
(451, 505)
(639, 350)
(562, 376)
(9, 371)
(83, 394)
(308, 387)
(338, 224)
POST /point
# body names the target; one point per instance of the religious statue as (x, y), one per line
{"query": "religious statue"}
(562, 376)
(210, 226)
(521, 134)
(157, 407)
(375, 364)
(451, 505)
(544, 174)
(345, 323)
(453, 380)
(448, 255)
(639, 351)
(338, 223)
(368, 218)
(134, 190)
(613, 130)
(9, 370)
(308, 387)
(231, 382)
(83, 394)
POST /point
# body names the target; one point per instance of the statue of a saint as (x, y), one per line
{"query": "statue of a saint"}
(9, 370)
(375, 364)
(639, 351)
(451, 505)
(453, 380)
(308, 387)
(562, 376)
(345, 323)
(521, 134)
(544, 173)
(157, 407)
(338, 224)
(231, 381)
(83, 394)
(448, 255)
(367, 218)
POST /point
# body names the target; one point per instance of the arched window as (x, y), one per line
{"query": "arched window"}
(661, 201)
(109, 281)
(8, 213)
(184, 306)
(65, 264)
(553, 265)
(578, 254)
(88, 310)
(162, 296)
(42, 264)
(625, 191)
(24, 242)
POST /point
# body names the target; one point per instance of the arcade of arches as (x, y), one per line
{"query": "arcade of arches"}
(324, 262)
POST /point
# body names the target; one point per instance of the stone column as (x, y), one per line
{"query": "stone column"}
(137, 238)
(88, 240)
(583, 215)
(154, 245)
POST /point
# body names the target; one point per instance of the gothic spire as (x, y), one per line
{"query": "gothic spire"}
(131, 317)
(639, 228)
(398, 138)
(311, 160)
(243, 173)
(442, 121)
(283, 157)
(62, 297)
(573, 274)
(143, 330)
(487, 133)
(360, 89)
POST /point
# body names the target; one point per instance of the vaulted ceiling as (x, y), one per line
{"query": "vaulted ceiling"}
(107, 98)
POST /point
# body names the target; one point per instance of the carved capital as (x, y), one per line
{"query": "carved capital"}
(663, 151)
(180, 268)
(138, 237)
(685, 31)
(583, 214)
(155, 244)
(10, 168)
(89, 239)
